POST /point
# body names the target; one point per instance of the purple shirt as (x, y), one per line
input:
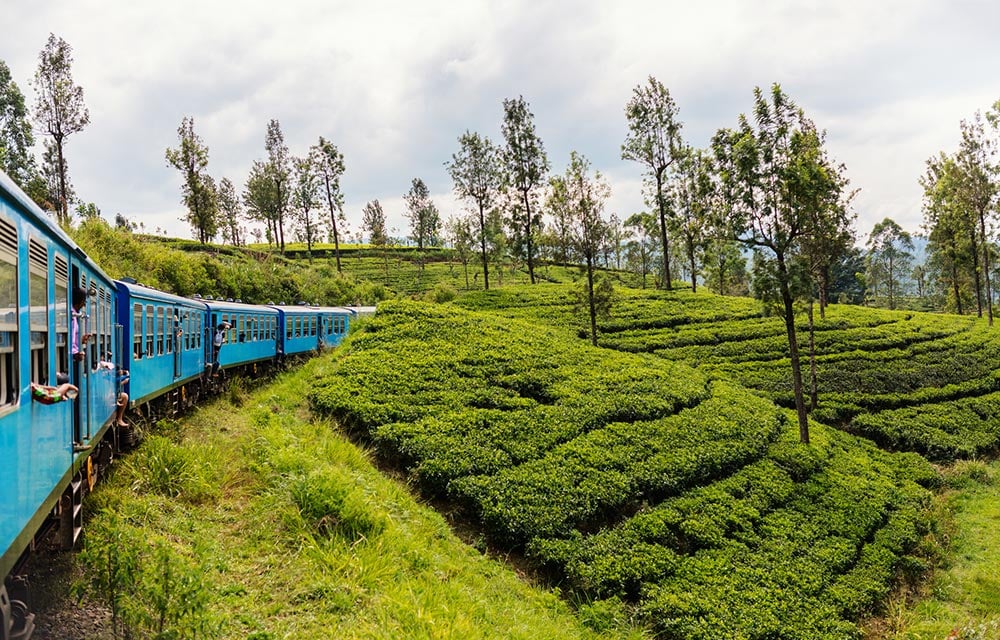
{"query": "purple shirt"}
(75, 335)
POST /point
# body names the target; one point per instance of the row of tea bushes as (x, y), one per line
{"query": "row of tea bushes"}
(794, 545)
(634, 478)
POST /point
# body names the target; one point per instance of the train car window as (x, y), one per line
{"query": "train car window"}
(185, 330)
(171, 329)
(160, 330)
(137, 332)
(274, 328)
(38, 294)
(106, 326)
(243, 328)
(91, 322)
(150, 330)
(197, 330)
(312, 326)
(289, 326)
(8, 313)
(62, 314)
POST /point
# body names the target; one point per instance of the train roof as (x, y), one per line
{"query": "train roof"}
(155, 294)
(34, 213)
(233, 306)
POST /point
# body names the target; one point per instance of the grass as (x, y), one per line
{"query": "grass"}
(295, 534)
(963, 598)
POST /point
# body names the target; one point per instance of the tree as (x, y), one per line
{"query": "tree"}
(279, 161)
(191, 159)
(654, 140)
(59, 109)
(772, 174)
(16, 138)
(476, 174)
(305, 198)
(952, 250)
(459, 232)
(725, 268)
(425, 221)
(979, 170)
(690, 197)
(558, 208)
(889, 256)
(231, 211)
(525, 167)
(641, 246)
(260, 197)
(373, 222)
(329, 165)
(586, 196)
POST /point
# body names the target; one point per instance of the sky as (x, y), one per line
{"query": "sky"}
(394, 84)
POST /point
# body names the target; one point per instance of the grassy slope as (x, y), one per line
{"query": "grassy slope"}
(964, 596)
(240, 500)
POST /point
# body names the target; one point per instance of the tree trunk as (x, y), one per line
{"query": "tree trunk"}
(482, 243)
(527, 237)
(333, 223)
(986, 267)
(694, 275)
(62, 213)
(590, 300)
(663, 231)
(824, 290)
(793, 351)
(954, 284)
(975, 270)
(813, 393)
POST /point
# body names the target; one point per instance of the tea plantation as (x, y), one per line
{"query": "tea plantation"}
(655, 473)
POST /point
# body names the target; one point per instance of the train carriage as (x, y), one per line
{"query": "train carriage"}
(164, 337)
(333, 325)
(47, 448)
(252, 337)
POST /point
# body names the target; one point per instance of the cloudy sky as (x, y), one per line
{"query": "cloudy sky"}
(393, 84)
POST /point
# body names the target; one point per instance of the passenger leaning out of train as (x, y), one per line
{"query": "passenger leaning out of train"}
(220, 337)
(79, 299)
(122, 402)
(50, 395)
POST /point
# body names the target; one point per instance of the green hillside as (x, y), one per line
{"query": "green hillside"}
(635, 479)
(656, 479)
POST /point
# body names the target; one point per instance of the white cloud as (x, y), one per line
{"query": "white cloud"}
(394, 84)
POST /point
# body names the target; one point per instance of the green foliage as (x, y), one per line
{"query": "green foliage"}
(221, 272)
(152, 589)
(171, 470)
(632, 478)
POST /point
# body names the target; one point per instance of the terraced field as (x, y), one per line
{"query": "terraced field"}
(642, 481)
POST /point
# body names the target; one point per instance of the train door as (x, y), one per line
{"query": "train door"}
(174, 340)
(80, 371)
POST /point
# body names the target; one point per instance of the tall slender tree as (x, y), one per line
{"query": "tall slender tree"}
(654, 140)
(475, 170)
(425, 220)
(329, 164)
(305, 200)
(771, 171)
(191, 159)
(373, 222)
(230, 212)
(59, 110)
(279, 159)
(260, 198)
(525, 168)
(586, 195)
(977, 162)
(890, 251)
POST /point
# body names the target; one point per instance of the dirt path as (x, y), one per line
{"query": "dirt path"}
(58, 614)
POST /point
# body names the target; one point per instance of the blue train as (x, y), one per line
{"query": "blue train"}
(163, 351)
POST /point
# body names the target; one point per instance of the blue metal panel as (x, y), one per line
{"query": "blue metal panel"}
(301, 325)
(36, 440)
(334, 324)
(173, 352)
(253, 336)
